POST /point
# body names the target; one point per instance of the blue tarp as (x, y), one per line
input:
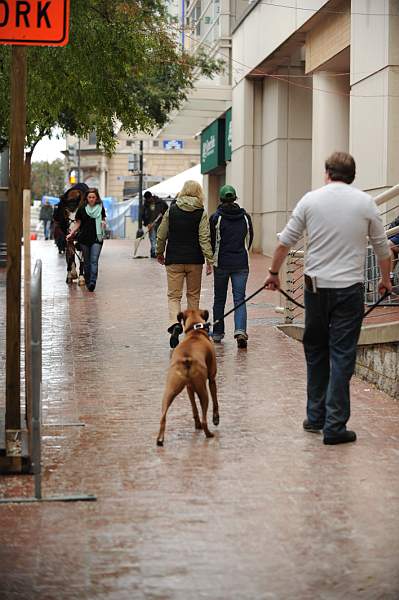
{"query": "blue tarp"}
(52, 199)
(117, 213)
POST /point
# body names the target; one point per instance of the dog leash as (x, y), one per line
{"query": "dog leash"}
(248, 298)
(290, 299)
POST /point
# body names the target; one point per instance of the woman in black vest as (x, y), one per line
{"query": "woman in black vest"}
(185, 227)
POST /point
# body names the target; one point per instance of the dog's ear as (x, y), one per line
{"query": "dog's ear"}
(205, 315)
(180, 317)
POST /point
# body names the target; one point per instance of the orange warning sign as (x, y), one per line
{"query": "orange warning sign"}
(34, 22)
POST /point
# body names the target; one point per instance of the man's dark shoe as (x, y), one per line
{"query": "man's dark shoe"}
(175, 331)
(91, 287)
(341, 438)
(312, 427)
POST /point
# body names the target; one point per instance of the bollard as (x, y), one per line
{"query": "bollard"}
(36, 374)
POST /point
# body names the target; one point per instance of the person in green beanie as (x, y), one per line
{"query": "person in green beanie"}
(231, 238)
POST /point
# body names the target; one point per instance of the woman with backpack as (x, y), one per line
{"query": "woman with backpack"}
(91, 223)
(184, 231)
(231, 237)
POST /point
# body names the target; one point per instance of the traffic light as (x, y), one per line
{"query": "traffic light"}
(133, 162)
(73, 154)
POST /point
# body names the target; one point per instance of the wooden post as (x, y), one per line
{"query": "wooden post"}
(14, 231)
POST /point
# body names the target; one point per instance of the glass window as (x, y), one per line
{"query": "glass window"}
(93, 139)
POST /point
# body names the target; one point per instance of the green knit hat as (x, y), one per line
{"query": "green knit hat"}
(227, 193)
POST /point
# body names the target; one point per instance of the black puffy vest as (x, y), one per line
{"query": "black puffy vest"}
(183, 244)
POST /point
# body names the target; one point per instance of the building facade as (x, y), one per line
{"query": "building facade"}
(308, 77)
(205, 26)
(114, 176)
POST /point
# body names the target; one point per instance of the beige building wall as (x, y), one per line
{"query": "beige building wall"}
(271, 163)
(329, 36)
(374, 128)
(265, 28)
(303, 122)
(330, 120)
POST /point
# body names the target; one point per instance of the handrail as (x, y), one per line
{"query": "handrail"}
(387, 195)
(393, 230)
(292, 267)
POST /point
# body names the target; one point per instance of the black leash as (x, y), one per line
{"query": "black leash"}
(240, 304)
(284, 293)
(381, 299)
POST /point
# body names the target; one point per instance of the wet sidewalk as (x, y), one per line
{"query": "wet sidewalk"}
(262, 511)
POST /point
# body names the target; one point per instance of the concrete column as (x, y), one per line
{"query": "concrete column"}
(212, 185)
(242, 142)
(286, 152)
(330, 120)
(374, 131)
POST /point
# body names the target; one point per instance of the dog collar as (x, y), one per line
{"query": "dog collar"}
(198, 326)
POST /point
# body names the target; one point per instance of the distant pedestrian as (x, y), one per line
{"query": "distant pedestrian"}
(231, 235)
(153, 211)
(338, 218)
(46, 216)
(184, 232)
(90, 221)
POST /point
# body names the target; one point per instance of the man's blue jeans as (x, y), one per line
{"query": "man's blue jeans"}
(153, 241)
(46, 228)
(333, 321)
(91, 254)
(221, 282)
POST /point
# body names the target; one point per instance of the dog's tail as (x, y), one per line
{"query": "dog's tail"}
(187, 362)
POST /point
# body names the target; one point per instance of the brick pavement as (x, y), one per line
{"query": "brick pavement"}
(262, 511)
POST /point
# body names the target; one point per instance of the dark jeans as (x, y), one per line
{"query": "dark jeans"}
(46, 228)
(332, 326)
(221, 282)
(153, 241)
(91, 254)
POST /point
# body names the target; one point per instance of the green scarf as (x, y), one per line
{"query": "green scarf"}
(95, 212)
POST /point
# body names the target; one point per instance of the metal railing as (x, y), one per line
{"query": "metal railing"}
(295, 261)
(34, 423)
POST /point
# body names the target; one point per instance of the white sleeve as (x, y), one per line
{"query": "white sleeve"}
(295, 227)
(377, 235)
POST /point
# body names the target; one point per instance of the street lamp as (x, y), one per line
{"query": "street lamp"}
(137, 164)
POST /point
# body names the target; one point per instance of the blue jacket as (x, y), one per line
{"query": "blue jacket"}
(231, 236)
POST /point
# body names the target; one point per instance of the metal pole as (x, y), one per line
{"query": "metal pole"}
(78, 178)
(36, 373)
(140, 232)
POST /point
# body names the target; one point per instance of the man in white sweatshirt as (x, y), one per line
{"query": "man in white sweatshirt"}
(339, 220)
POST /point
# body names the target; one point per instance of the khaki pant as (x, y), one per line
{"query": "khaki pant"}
(176, 275)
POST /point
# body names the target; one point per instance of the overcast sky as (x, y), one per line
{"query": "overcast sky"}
(49, 149)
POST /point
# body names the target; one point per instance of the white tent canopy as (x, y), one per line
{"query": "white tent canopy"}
(173, 185)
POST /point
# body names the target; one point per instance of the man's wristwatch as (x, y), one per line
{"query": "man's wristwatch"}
(273, 273)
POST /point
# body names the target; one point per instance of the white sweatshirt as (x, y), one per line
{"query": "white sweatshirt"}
(338, 219)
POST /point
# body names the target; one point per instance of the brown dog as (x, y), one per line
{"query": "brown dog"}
(193, 363)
